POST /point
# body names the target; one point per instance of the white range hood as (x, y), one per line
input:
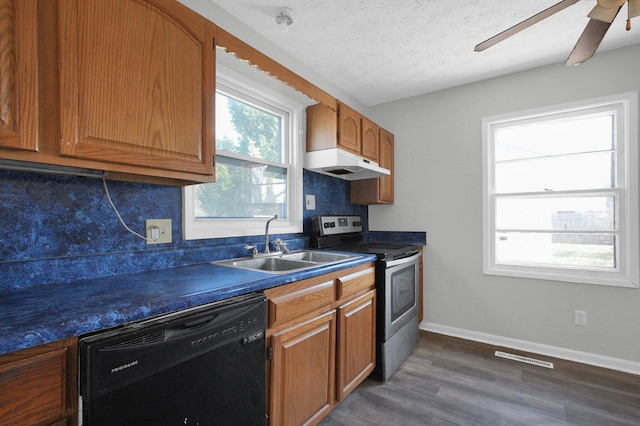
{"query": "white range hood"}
(344, 165)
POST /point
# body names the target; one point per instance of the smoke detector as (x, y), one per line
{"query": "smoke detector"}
(284, 16)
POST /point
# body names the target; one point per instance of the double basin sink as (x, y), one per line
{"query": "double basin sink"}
(280, 263)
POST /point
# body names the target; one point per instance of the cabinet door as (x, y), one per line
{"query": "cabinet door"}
(350, 137)
(356, 343)
(380, 190)
(39, 385)
(137, 84)
(370, 140)
(303, 371)
(18, 75)
(385, 183)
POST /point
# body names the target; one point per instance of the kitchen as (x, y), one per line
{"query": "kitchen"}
(51, 236)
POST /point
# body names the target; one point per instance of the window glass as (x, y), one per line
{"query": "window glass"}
(565, 172)
(248, 130)
(591, 252)
(578, 213)
(247, 190)
(552, 137)
(251, 177)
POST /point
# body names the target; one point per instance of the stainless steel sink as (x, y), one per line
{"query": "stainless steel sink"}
(285, 263)
(317, 256)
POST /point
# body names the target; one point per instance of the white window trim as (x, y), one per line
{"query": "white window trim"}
(629, 271)
(194, 229)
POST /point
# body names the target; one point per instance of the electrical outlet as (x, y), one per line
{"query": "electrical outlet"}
(158, 231)
(580, 317)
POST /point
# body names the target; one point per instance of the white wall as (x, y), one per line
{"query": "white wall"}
(438, 189)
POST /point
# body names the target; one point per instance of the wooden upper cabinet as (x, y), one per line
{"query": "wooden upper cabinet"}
(386, 183)
(380, 190)
(370, 140)
(137, 84)
(349, 129)
(18, 75)
(346, 129)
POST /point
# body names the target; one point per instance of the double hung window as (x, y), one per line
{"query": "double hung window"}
(561, 193)
(258, 166)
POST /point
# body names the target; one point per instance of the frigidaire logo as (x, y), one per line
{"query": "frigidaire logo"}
(124, 366)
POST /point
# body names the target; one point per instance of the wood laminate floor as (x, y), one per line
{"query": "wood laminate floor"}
(450, 381)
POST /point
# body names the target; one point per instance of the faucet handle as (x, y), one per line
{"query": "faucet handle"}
(254, 249)
(279, 243)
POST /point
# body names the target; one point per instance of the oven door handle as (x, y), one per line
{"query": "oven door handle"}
(404, 260)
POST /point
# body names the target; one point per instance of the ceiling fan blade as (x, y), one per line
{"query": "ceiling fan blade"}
(604, 14)
(524, 24)
(634, 8)
(588, 42)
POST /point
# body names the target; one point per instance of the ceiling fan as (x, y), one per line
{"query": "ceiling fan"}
(601, 16)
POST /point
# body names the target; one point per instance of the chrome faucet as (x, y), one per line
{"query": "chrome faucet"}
(281, 246)
(266, 234)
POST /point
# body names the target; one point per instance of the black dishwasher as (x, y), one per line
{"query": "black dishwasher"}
(201, 366)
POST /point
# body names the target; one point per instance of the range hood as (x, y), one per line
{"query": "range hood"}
(344, 165)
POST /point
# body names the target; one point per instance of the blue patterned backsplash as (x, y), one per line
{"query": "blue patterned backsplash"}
(60, 229)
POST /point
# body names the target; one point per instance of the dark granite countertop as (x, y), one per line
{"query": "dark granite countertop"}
(46, 313)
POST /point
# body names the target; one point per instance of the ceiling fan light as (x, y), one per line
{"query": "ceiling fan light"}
(603, 14)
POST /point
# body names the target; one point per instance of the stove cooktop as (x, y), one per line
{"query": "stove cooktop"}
(344, 233)
(384, 251)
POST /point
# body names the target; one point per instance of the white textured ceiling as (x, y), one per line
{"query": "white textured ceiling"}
(383, 50)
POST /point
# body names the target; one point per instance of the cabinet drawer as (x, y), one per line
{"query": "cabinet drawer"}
(356, 282)
(299, 302)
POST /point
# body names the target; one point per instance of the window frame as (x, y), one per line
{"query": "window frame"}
(626, 274)
(248, 90)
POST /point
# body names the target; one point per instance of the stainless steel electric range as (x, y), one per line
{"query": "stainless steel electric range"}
(397, 280)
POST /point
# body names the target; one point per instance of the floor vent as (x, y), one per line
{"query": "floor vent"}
(524, 359)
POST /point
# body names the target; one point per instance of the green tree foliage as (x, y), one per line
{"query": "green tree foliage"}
(240, 190)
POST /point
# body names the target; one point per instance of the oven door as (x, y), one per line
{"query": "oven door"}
(401, 293)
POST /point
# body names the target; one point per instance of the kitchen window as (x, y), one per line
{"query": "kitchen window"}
(258, 165)
(560, 193)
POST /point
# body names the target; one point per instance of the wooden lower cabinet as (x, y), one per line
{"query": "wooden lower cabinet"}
(356, 343)
(321, 337)
(38, 386)
(303, 371)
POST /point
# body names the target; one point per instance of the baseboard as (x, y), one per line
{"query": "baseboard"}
(536, 348)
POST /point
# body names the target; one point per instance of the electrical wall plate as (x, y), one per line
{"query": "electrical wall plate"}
(310, 202)
(158, 231)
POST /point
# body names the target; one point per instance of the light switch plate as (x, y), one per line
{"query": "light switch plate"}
(310, 202)
(158, 231)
